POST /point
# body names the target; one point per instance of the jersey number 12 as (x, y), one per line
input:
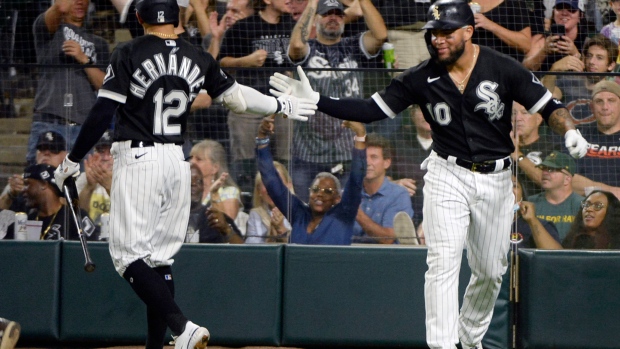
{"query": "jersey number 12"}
(162, 125)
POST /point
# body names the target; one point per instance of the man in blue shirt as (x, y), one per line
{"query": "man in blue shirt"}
(381, 199)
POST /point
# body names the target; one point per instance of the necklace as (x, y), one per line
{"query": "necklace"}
(461, 85)
(49, 226)
(163, 35)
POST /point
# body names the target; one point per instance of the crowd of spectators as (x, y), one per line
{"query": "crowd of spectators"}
(558, 40)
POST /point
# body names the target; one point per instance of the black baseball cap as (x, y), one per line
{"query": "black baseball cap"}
(51, 140)
(104, 141)
(328, 5)
(449, 14)
(42, 172)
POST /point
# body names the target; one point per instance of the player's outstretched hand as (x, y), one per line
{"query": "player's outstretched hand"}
(575, 143)
(296, 108)
(287, 86)
(66, 169)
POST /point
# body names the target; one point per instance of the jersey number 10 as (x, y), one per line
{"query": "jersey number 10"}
(440, 113)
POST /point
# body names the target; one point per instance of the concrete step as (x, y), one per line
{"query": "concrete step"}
(15, 125)
(7, 171)
(7, 140)
(15, 155)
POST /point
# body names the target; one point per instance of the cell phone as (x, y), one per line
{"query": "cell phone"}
(558, 29)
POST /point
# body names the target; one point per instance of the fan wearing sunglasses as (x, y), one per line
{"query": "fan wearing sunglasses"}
(328, 217)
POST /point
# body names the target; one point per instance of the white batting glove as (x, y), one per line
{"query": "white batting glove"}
(66, 169)
(575, 143)
(296, 108)
(286, 86)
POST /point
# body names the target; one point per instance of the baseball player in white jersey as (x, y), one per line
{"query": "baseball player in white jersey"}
(466, 93)
(149, 86)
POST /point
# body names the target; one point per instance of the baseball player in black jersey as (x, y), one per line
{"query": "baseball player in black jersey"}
(150, 85)
(466, 93)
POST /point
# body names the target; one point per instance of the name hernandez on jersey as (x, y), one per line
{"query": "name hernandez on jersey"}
(157, 67)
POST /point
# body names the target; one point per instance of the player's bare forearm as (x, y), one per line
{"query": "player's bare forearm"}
(560, 121)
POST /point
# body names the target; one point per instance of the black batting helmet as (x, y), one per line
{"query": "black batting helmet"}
(449, 14)
(158, 11)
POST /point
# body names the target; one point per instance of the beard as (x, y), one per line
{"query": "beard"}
(453, 56)
(331, 34)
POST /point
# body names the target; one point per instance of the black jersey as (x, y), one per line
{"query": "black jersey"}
(475, 125)
(156, 81)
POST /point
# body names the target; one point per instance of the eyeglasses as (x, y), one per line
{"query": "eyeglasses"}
(315, 189)
(597, 206)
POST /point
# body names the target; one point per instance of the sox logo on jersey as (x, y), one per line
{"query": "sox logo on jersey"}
(492, 104)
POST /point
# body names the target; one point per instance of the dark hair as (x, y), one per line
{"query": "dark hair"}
(605, 43)
(375, 140)
(607, 235)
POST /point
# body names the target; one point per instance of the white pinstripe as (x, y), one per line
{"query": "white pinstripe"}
(463, 207)
(150, 200)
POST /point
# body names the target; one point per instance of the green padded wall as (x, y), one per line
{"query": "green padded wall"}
(362, 296)
(233, 290)
(98, 306)
(29, 279)
(569, 299)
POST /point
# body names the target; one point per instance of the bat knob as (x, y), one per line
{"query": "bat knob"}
(89, 267)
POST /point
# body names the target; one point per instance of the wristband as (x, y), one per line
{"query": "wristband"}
(360, 139)
(90, 61)
(262, 141)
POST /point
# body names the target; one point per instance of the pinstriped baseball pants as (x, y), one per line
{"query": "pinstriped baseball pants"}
(150, 200)
(463, 208)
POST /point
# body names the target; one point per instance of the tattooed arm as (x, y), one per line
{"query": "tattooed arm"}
(560, 121)
(298, 47)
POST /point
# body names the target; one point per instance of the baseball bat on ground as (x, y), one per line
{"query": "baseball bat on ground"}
(71, 194)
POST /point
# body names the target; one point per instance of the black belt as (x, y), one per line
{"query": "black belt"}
(140, 144)
(481, 167)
